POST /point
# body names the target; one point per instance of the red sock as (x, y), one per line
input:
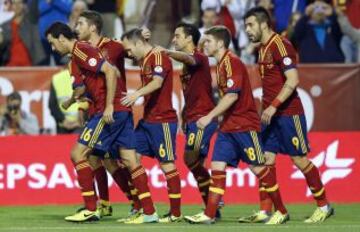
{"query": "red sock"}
(174, 191)
(313, 180)
(272, 188)
(136, 204)
(216, 191)
(120, 177)
(265, 199)
(102, 183)
(202, 177)
(140, 182)
(86, 182)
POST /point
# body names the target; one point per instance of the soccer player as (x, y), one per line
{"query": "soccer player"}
(197, 89)
(88, 28)
(284, 123)
(238, 136)
(156, 132)
(111, 124)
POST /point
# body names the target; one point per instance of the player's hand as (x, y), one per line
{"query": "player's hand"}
(146, 33)
(130, 99)
(108, 114)
(66, 104)
(81, 118)
(203, 122)
(268, 114)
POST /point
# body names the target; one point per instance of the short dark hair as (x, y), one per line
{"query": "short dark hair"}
(93, 18)
(220, 33)
(190, 30)
(58, 28)
(261, 15)
(14, 96)
(134, 35)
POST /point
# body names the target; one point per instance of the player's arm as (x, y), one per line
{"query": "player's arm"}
(152, 86)
(292, 81)
(111, 73)
(182, 57)
(224, 104)
(76, 95)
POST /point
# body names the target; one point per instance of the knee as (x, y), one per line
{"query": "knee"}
(270, 158)
(189, 159)
(167, 166)
(300, 161)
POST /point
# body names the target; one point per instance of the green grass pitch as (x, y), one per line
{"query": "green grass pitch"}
(50, 218)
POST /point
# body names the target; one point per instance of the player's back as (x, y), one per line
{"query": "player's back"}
(114, 52)
(89, 61)
(158, 104)
(275, 58)
(233, 77)
(197, 88)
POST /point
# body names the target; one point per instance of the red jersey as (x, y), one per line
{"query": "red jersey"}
(196, 82)
(114, 53)
(86, 62)
(276, 57)
(158, 105)
(232, 77)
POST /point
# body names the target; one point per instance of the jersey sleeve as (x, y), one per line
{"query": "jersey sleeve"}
(75, 75)
(285, 55)
(161, 65)
(88, 57)
(234, 76)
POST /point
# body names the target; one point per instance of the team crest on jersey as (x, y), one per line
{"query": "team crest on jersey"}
(230, 83)
(92, 62)
(287, 61)
(158, 69)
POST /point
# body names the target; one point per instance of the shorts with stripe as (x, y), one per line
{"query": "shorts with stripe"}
(156, 140)
(233, 147)
(199, 140)
(286, 135)
(102, 137)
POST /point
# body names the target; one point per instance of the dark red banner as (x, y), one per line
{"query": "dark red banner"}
(330, 93)
(37, 170)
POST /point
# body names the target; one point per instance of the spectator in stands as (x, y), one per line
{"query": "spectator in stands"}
(209, 18)
(284, 10)
(14, 121)
(67, 120)
(289, 32)
(353, 34)
(350, 21)
(5, 12)
(78, 7)
(318, 35)
(19, 41)
(51, 11)
(107, 9)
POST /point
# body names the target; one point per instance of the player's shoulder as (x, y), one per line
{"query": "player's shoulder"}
(282, 45)
(81, 50)
(160, 58)
(111, 43)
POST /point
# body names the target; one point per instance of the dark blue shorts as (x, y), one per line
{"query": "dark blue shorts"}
(101, 137)
(233, 147)
(156, 140)
(286, 135)
(199, 140)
